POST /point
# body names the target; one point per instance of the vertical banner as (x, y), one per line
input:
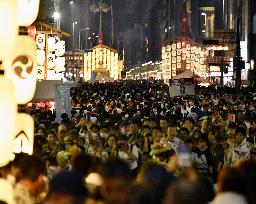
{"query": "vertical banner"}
(62, 101)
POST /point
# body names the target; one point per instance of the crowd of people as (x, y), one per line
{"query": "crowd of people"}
(129, 142)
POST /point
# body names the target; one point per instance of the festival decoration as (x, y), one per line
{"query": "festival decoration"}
(27, 11)
(9, 27)
(8, 111)
(24, 134)
(21, 69)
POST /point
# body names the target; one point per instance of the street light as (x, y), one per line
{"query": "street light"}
(71, 2)
(56, 16)
(84, 29)
(74, 23)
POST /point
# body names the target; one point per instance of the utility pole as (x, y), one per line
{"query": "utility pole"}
(238, 57)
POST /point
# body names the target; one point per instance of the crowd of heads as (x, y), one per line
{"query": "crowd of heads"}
(130, 142)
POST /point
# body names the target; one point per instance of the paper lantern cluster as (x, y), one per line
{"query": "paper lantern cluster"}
(182, 55)
(18, 82)
(101, 58)
(49, 54)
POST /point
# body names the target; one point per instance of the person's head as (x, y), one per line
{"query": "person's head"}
(32, 171)
(67, 187)
(211, 136)
(248, 168)
(62, 131)
(163, 124)
(51, 137)
(157, 133)
(240, 135)
(112, 140)
(146, 122)
(95, 129)
(104, 132)
(230, 179)
(202, 142)
(186, 192)
(117, 179)
(184, 133)
(133, 128)
(145, 130)
(152, 123)
(189, 123)
(172, 131)
(82, 163)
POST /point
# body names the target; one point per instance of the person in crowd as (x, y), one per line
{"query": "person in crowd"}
(241, 149)
(204, 163)
(31, 180)
(117, 181)
(67, 187)
(232, 187)
(172, 136)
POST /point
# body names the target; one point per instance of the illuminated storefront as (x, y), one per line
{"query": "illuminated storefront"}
(102, 60)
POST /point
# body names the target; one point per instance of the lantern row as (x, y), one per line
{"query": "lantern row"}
(101, 58)
(184, 55)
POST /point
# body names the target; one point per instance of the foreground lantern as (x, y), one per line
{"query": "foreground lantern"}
(8, 110)
(21, 69)
(27, 11)
(9, 27)
(24, 134)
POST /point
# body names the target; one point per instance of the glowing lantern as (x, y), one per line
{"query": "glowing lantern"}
(27, 11)
(60, 48)
(29, 105)
(9, 27)
(8, 110)
(40, 57)
(40, 41)
(51, 44)
(21, 69)
(40, 72)
(59, 64)
(24, 135)
(51, 61)
(32, 31)
(41, 104)
(184, 44)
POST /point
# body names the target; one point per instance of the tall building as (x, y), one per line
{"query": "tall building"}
(252, 32)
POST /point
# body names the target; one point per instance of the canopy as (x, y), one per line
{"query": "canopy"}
(185, 75)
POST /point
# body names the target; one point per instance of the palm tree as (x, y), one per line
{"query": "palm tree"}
(100, 7)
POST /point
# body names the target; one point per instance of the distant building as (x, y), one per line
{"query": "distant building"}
(102, 62)
(252, 33)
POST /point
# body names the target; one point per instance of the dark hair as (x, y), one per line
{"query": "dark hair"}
(184, 129)
(30, 167)
(170, 125)
(241, 130)
(231, 179)
(82, 163)
(69, 183)
(146, 127)
(116, 168)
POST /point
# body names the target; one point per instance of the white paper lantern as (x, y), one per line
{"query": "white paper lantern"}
(51, 44)
(9, 27)
(8, 111)
(50, 61)
(60, 48)
(40, 41)
(21, 69)
(27, 11)
(24, 134)
(40, 72)
(59, 64)
(40, 57)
